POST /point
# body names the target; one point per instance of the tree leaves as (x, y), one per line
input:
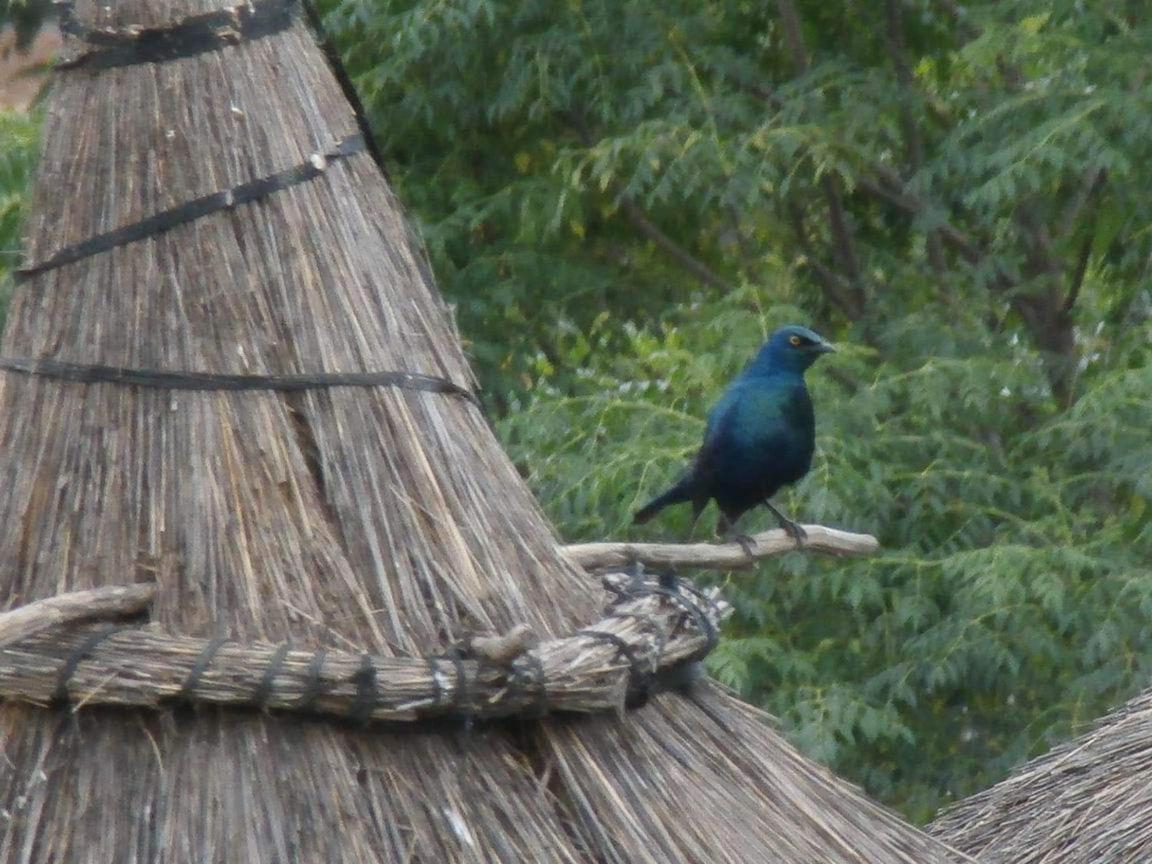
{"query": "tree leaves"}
(19, 138)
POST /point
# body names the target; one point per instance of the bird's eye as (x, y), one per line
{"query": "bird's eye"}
(795, 340)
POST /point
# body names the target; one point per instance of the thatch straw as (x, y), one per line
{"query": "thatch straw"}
(380, 520)
(53, 612)
(1085, 802)
(650, 629)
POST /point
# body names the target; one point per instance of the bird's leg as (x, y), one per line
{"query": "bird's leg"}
(726, 528)
(698, 505)
(792, 529)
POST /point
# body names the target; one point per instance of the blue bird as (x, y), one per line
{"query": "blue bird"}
(760, 436)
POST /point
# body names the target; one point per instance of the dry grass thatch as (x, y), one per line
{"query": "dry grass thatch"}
(650, 629)
(1085, 802)
(381, 520)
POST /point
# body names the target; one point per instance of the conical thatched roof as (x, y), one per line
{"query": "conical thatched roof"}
(1088, 801)
(383, 519)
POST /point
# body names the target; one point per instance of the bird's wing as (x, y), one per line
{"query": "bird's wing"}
(724, 415)
(721, 417)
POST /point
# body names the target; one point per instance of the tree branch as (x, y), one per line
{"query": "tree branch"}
(1078, 275)
(793, 35)
(898, 197)
(843, 243)
(853, 298)
(1090, 184)
(728, 556)
(1045, 311)
(913, 139)
(835, 287)
(645, 226)
(674, 250)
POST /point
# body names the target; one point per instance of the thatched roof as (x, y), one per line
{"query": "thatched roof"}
(1088, 801)
(383, 520)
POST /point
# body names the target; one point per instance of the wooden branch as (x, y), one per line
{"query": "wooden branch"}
(853, 299)
(844, 244)
(673, 249)
(1078, 274)
(593, 556)
(1090, 187)
(112, 602)
(913, 138)
(585, 672)
(793, 35)
(957, 239)
(645, 226)
(964, 28)
(835, 286)
(1091, 183)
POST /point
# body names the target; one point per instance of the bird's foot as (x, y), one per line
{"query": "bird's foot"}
(794, 530)
(745, 541)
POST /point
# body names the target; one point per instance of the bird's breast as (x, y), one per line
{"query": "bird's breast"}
(764, 440)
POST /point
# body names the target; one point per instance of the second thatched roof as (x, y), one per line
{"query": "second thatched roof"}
(1088, 801)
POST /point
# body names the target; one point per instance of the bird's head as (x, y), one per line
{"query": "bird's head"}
(792, 348)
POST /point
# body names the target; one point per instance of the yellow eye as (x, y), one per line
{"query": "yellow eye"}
(795, 340)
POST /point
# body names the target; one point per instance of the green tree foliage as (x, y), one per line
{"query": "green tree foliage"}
(623, 198)
(18, 148)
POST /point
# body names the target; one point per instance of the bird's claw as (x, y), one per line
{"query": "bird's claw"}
(746, 542)
(794, 530)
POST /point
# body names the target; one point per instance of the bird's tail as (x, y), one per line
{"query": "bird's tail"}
(678, 494)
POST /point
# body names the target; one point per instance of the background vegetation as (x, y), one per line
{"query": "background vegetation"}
(622, 197)
(18, 143)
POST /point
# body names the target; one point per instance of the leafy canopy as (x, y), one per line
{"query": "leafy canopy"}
(623, 198)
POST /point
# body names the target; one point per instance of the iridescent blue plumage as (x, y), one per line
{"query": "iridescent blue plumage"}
(760, 435)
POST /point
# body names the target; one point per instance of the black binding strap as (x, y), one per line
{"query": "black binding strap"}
(528, 678)
(263, 690)
(366, 693)
(541, 682)
(197, 208)
(188, 688)
(82, 653)
(699, 618)
(460, 693)
(315, 688)
(710, 632)
(623, 649)
(434, 671)
(640, 680)
(188, 37)
(83, 373)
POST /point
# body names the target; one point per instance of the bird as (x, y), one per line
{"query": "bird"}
(760, 437)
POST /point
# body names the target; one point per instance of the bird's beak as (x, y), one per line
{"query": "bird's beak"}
(825, 348)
